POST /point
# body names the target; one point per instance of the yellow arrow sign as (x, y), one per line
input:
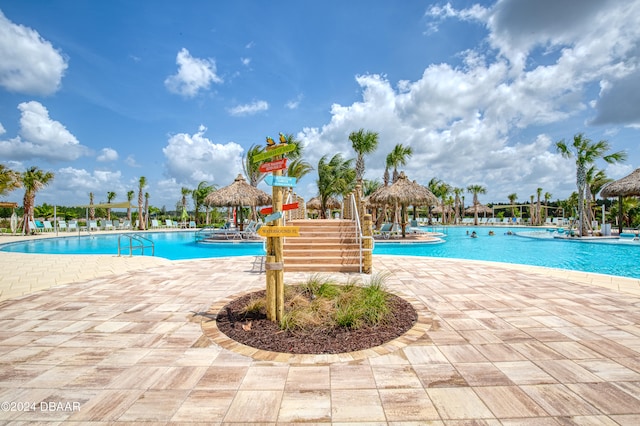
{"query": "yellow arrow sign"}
(279, 231)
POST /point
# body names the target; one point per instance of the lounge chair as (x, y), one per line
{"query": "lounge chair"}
(62, 225)
(169, 223)
(73, 225)
(192, 224)
(388, 230)
(107, 225)
(250, 230)
(414, 228)
(47, 226)
(154, 224)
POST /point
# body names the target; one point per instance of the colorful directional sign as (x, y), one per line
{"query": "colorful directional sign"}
(273, 166)
(267, 210)
(280, 180)
(279, 231)
(273, 216)
(279, 150)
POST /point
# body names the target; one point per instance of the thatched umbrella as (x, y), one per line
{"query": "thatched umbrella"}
(314, 203)
(238, 194)
(403, 192)
(628, 186)
(481, 209)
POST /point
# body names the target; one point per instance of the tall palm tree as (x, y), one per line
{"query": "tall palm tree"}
(538, 207)
(399, 157)
(92, 210)
(146, 209)
(251, 169)
(512, 200)
(141, 184)
(199, 194)
(596, 179)
(457, 205)
(335, 177)
(110, 197)
(475, 190)
(185, 193)
(532, 210)
(586, 153)
(33, 180)
(363, 143)
(9, 180)
(130, 195)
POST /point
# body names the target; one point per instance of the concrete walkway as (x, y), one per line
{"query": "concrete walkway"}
(496, 345)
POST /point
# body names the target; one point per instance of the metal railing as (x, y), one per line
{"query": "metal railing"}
(355, 213)
(136, 241)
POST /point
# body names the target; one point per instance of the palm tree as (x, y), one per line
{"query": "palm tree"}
(538, 208)
(251, 169)
(457, 204)
(363, 143)
(475, 190)
(141, 184)
(110, 196)
(130, 195)
(335, 177)
(512, 200)
(399, 157)
(596, 179)
(146, 209)
(199, 194)
(9, 180)
(586, 153)
(370, 186)
(532, 211)
(92, 210)
(33, 180)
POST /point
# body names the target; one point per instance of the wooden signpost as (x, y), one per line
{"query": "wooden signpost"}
(274, 229)
(285, 207)
(273, 166)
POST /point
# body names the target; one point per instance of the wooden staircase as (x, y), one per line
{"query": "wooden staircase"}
(324, 245)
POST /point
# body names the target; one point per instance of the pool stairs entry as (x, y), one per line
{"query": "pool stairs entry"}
(324, 245)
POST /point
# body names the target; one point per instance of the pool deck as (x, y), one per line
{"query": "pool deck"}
(102, 339)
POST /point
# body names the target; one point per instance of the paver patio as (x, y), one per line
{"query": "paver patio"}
(502, 345)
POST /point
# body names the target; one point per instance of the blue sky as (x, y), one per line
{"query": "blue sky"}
(102, 93)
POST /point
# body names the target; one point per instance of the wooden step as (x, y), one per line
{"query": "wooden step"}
(323, 246)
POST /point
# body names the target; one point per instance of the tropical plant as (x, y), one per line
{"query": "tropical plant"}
(586, 153)
(92, 210)
(141, 184)
(398, 157)
(475, 190)
(512, 200)
(32, 180)
(538, 207)
(363, 143)
(199, 194)
(335, 177)
(457, 204)
(110, 197)
(185, 193)
(370, 186)
(146, 210)
(45, 210)
(252, 169)
(10, 180)
(130, 195)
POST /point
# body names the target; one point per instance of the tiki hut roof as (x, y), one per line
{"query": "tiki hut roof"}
(8, 204)
(314, 203)
(481, 209)
(403, 191)
(625, 187)
(438, 209)
(239, 193)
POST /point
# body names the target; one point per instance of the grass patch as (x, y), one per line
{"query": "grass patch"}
(323, 304)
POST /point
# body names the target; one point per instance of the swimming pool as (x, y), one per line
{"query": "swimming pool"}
(613, 259)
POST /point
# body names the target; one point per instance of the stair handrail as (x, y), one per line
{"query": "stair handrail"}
(355, 212)
(141, 243)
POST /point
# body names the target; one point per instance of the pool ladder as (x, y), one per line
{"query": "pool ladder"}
(135, 242)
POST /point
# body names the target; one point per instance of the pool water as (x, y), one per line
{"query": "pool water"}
(607, 258)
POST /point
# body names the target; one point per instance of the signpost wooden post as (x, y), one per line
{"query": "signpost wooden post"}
(274, 230)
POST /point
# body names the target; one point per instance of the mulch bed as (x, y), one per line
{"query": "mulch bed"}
(266, 335)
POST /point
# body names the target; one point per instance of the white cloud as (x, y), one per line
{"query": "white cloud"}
(294, 103)
(245, 61)
(193, 75)
(107, 154)
(191, 159)
(2, 129)
(29, 64)
(41, 137)
(71, 186)
(249, 109)
(131, 161)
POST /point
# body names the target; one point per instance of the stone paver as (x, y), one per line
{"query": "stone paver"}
(496, 345)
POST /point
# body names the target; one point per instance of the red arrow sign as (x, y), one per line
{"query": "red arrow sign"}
(269, 210)
(273, 166)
